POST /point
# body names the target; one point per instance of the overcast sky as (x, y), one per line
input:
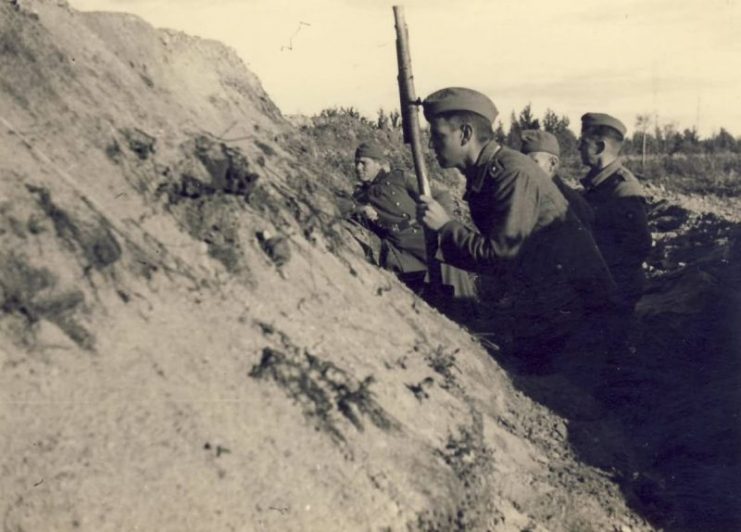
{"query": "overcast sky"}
(679, 60)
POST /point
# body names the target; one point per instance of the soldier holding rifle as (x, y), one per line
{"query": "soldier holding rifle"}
(525, 233)
(385, 202)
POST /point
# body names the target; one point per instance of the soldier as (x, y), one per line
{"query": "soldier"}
(386, 202)
(542, 147)
(620, 225)
(525, 231)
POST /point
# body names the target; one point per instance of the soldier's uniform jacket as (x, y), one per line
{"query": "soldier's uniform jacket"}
(394, 197)
(527, 234)
(576, 201)
(620, 226)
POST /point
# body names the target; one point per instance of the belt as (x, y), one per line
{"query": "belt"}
(401, 226)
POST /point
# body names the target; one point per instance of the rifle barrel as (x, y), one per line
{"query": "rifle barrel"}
(410, 116)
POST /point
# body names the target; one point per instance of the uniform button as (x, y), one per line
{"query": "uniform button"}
(559, 267)
(397, 203)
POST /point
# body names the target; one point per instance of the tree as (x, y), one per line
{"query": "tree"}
(669, 132)
(513, 136)
(691, 141)
(660, 139)
(687, 142)
(642, 123)
(383, 120)
(559, 126)
(551, 123)
(526, 120)
(499, 135)
(722, 141)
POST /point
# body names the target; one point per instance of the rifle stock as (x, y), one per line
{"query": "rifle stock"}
(410, 124)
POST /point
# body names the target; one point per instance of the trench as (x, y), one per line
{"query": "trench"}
(681, 402)
(669, 431)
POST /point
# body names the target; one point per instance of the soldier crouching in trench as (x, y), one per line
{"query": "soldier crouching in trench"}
(620, 229)
(526, 235)
(385, 202)
(620, 225)
(543, 148)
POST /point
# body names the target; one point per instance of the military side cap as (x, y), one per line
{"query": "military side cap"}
(371, 150)
(591, 120)
(538, 140)
(459, 99)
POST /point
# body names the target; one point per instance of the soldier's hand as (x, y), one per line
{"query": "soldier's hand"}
(431, 213)
(369, 212)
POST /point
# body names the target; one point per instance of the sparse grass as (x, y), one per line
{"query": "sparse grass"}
(718, 174)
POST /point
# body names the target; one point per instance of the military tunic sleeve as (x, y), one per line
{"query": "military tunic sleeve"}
(346, 206)
(349, 205)
(411, 186)
(513, 217)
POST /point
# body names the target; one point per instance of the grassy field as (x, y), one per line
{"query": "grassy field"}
(718, 174)
(704, 174)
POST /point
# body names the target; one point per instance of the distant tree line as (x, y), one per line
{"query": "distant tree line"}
(680, 160)
(666, 139)
(647, 140)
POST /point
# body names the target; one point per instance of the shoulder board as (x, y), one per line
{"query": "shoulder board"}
(507, 159)
(495, 167)
(629, 185)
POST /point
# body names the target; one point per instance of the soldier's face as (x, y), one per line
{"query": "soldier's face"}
(366, 169)
(446, 142)
(547, 161)
(589, 150)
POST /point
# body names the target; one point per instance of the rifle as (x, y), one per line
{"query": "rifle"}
(410, 128)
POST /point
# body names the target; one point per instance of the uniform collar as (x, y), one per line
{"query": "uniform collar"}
(380, 177)
(478, 172)
(594, 178)
(365, 185)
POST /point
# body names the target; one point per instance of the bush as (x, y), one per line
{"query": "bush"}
(718, 174)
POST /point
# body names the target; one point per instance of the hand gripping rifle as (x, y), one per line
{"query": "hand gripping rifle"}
(410, 127)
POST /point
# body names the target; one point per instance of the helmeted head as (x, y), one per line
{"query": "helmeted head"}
(601, 138)
(542, 147)
(369, 161)
(460, 123)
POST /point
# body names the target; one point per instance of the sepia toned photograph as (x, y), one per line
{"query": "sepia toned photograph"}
(358, 265)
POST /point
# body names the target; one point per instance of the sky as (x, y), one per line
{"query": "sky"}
(676, 60)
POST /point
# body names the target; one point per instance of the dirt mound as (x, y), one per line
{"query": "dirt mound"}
(166, 368)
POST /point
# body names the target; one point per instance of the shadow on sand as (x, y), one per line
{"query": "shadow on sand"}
(665, 420)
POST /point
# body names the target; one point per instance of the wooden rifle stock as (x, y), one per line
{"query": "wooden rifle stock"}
(410, 124)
